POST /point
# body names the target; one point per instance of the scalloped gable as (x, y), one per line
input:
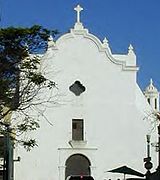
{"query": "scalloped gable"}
(127, 61)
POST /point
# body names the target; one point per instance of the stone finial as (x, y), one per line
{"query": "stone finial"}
(151, 81)
(105, 41)
(50, 38)
(106, 44)
(50, 41)
(130, 48)
(78, 9)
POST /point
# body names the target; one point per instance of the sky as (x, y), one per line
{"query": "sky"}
(123, 22)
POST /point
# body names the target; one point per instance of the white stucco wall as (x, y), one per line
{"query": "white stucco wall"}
(113, 108)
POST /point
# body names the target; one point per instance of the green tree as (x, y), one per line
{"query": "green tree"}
(21, 80)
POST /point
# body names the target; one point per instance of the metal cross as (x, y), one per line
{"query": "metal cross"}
(78, 9)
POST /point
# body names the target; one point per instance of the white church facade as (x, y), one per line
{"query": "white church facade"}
(99, 124)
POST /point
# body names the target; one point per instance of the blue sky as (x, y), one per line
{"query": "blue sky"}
(121, 21)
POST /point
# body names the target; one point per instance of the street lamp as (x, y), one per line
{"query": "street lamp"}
(148, 164)
(156, 174)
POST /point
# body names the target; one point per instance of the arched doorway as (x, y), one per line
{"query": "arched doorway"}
(77, 164)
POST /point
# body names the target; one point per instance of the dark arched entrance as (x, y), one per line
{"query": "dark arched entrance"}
(77, 164)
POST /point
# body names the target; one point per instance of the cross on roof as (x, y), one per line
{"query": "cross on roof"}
(78, 9)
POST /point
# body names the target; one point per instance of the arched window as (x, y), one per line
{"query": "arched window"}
(77, 164)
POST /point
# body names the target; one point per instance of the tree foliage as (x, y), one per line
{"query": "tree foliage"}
(21, 80)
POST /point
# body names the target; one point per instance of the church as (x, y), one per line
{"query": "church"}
(99, 123)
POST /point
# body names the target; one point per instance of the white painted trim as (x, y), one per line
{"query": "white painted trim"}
(98, 43)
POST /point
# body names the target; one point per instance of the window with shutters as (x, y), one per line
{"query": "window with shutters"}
(77, 129)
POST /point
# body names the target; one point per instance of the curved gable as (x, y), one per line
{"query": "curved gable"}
(126, 61)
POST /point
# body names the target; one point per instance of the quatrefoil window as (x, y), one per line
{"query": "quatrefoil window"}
(77, 88)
